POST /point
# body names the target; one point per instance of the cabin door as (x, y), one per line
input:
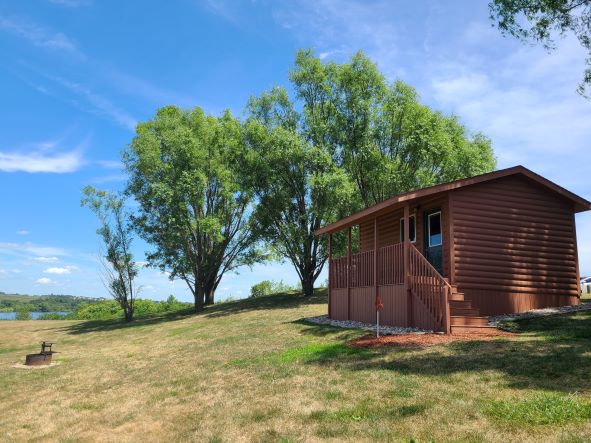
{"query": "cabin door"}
(434, 239)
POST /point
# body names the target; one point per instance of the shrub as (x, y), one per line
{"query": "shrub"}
(267, 287)
(110, 309)
(23, 314)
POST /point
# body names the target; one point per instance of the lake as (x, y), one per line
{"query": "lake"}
(34, 315)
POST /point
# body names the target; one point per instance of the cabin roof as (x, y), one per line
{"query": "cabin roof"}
(579, 203)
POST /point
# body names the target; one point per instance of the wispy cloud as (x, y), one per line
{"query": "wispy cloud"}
(43, 157)
(46, 259)
(71, 3)
(22, 232)
(31, 249)
(40, 36)
(110, 164)
(60, 271)
(44, 281)
(98, 104)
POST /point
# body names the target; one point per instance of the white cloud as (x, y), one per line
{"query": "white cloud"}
(60, 271)
(39, 35)
(47, 259)
(110, 164)
(30, 248)
(44, 281)
(22, 232)
(109, 178)
(99, 105)
(43, 157)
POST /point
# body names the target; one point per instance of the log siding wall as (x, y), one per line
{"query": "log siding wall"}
(514, 246)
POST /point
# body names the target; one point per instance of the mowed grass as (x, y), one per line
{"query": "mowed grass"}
(251, 371)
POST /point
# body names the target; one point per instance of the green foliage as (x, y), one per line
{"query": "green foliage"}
(379, 133)
(23, 314)
(268, 287)
(52, 316)
(103, 310)
(347, 140)
(541, 20)
(110, 309)
(117, 235)
(188, 176)
(41, 303)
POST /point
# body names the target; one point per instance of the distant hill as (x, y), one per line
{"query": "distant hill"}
(42, 303)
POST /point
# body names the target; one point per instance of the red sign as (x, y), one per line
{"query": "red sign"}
(379, 304)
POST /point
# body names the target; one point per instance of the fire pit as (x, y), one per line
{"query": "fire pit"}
(42, 358)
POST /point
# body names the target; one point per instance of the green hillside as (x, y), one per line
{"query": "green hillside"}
(252, 371)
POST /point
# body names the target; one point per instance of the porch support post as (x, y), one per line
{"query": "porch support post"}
(375, 258)
(349, 274)
(409, 316)
(329, 272)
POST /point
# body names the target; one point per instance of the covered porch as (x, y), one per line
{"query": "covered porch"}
(403, 272)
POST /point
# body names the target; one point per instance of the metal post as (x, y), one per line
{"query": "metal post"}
(375, 272)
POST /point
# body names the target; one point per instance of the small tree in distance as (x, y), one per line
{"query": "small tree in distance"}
(120, 268)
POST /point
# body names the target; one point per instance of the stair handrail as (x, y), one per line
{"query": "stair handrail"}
(437, 304)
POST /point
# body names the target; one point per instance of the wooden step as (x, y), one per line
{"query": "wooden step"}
(465, 312)
(457, 296)
(461, 320)
(470, 329)
(460, 304)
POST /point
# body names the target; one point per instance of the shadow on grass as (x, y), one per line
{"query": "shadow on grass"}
(84, 327)
(553, 354)
(276, 301)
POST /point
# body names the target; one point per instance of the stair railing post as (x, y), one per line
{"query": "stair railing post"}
(407, 290)
(446, 308)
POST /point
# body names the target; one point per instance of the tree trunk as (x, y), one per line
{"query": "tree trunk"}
(128, 313)
(209, 292)
(307, 284)
(199, 298)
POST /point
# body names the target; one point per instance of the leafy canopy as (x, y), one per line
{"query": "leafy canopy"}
(541, 20)
(194, 201)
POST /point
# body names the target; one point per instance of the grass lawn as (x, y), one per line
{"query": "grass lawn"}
(250, 371)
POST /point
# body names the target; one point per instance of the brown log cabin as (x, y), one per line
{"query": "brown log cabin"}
(497, 243)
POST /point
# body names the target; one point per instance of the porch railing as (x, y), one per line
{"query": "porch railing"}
(430, 287)
(390, 268)
(391, 264)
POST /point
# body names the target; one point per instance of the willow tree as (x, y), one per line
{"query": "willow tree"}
(379, 132)
(298, 186)
(347, 139)
(194, 200)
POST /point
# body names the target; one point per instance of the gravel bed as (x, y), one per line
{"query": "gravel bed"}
(495, 320)
(350, 324)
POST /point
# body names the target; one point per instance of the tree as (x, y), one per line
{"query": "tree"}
(348, 140)
(194, 201)
(379, 133)
(120, 269)
(298, 185)
(540, 20)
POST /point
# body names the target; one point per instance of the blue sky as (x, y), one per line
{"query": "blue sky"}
(77, 75)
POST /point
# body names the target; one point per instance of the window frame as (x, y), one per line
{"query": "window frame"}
(429, 229)
(414, 219)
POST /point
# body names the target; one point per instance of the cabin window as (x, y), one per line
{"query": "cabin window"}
(434, 227)
(413, 229)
